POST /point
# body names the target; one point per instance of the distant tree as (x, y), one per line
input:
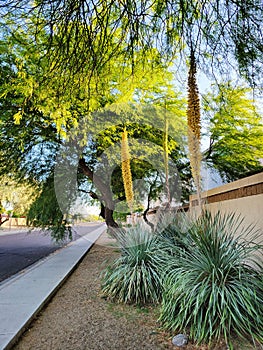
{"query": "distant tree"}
(235, 129)
(3, 219)
(15, 198)
(18, 197)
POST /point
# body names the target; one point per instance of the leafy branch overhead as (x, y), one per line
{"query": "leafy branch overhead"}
(85, 33)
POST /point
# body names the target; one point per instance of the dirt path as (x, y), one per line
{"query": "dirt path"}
(78, 318)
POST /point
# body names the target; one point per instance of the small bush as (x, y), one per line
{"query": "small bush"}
(214, 287)
(172, 230)
(135, 277)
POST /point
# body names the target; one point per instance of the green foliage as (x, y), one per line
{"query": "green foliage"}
(135, 277)
(82, 34)
(121, 216)
(214, 287)
(16, 196)
(92, 218)
(208, 277)
(28, 148)
(235, 129)
(172, 231)
(46, 214)
(36, 118)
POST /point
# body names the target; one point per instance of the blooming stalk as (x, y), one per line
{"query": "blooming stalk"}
(126, 169)
(194, 127)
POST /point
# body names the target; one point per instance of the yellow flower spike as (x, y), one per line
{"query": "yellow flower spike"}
(126, 169)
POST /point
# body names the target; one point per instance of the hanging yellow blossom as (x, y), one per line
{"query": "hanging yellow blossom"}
(126, 169)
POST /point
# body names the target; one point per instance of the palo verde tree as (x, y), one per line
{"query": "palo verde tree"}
(83, 37)
(235, 130)
(221, 35)
(91, 54)
(146, 162)
(41, 120)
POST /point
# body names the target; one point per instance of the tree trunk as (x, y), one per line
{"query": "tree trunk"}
(102, 210)
(146, 220)
(107, 215)
(150, 195)
(3, 221)
(106, 196)
(109, 218)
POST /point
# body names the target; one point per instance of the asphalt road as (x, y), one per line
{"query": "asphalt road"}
(22, 249)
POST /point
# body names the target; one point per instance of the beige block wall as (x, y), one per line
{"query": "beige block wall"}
(250, 208)
(248, 205)
(14, 222)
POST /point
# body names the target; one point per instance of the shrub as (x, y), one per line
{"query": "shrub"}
(172, 230)
(135, 277)
(214, 287)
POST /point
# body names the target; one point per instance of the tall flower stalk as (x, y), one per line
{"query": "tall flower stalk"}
(126, 170)
(166, 161)
(194, 127)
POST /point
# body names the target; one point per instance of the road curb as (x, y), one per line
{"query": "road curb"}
(22, 299)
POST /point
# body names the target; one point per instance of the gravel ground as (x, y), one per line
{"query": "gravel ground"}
(77, 318)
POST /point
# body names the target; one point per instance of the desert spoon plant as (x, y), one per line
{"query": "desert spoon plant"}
(214, 288)
(136, 276)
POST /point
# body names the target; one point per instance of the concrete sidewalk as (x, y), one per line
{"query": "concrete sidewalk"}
(23, 296)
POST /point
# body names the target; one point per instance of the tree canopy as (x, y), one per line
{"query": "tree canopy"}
(81, 33)
(235, 129)
(75, 73)
(37, 123)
